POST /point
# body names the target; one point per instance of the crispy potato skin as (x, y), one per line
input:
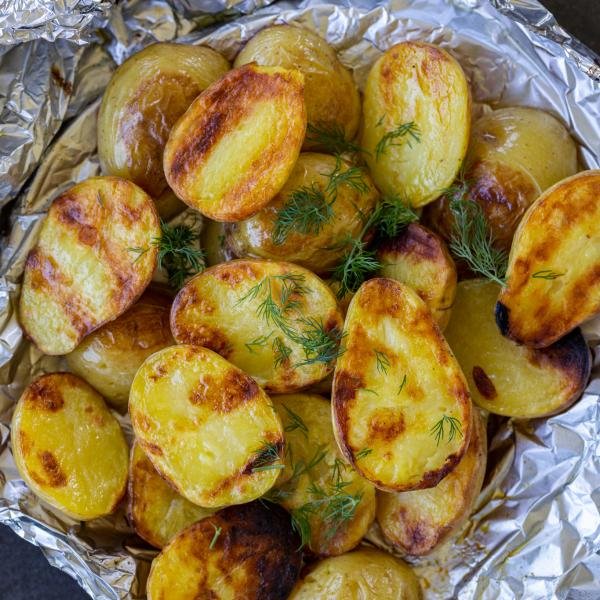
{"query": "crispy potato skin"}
(420, 259)
(364, 573)
(259, 109)
(329, 92)
(214, 310)
(82, 273)
(396, 380)
(559, 235)
(318, 252)
(184, 402)
(68, 447)
(109, 357)
(213, 243)
(253, 556)
(145, 97)
(417, 522)
(420, 83)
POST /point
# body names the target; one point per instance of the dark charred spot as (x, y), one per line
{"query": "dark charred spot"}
(235, 273)
(204, 335)
(224, 395)
(55, 475)
(502, 318)
(158, 373)
(151, 448)
(44, 394)
(382, 296)
(346, 386)
(484, 384)
(43, 270)
(414, 240)
(66, 86)
(386, 425)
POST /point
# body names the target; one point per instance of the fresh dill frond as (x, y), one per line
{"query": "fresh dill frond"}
(258, 342)
(296, 422)
(139, 251)
(319, 345)
(383, 362)
(439, 431)
(267, 457)
(548, 274)
(353, 177)
(215, 536)
(281, 352)
(392, 215)
(410, 131)
(331, 137)
(357, 264)
(370, 391)
(402, 384)
(363, 453)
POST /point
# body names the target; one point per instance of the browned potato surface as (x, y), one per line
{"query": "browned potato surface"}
(213, 243)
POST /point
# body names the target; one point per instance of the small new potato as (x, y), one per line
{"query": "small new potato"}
(236, 145)
(145, 97)
(69, 448)
(212, 240)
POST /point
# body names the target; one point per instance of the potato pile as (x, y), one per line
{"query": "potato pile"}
(327, 350)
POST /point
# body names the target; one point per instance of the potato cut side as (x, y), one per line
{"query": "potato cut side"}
(401, 406)
(416, 121)
(278, 322)
(207, 427)
(69, 448)
(420, 259)
(417, 522)
(505, 378)
(553, 277)
(247, 551)
(317, 480)
(236, 145)
(84, 270)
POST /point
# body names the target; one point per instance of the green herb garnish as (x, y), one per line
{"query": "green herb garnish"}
(383, 362)
(410, 131)
(331, 137)
(215, 536)
(267, 457)
(546, 274)
(439, 431)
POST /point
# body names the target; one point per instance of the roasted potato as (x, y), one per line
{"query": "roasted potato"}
(332, 100)
(553, 277)
(187, 406)
(109, 357)
(401, 406)
(68, 447)
(213, 243)
(417, 522)
(84, 270)
(360, 575)
(168, 205)
(277, 321)
(419, 258)
(416, 121)
(236, 145)
(318, 248)
(144, 98)
(316, 479)
(505, 378)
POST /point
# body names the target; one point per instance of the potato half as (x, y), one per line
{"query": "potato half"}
(83, 271)
(553, 277)
(401, 406)
(313, 180)
(363, 574)
(420, 259)
(417, 522)
(277, 321)
(236, 145)
(68, 447)
(331, 97)
(247, 552)
(145, 97)
(417, 114)
(207, 427)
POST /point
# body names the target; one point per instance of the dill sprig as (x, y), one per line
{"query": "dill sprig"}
(281, 352)
(296, 422)
(257, 342)
(439, 431)
(357, 264)
(319, 345)
(215, 536)
(352, 176)
(266, 458)
(331, 137)
(363, 453)
(409, 131)
(383, 362)
(402, 384)
(393, 214)
(548, 274)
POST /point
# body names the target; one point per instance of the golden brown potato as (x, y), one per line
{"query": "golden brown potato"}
(213, 243)
(236, 145)
(400, 403)
(553, 277)
(275, 320)
(144, 98)
(360, 575)
(417, 522)
(68, 447)
(84, 271)
(314, 181)
(168, 205)
(109, 357)
(505, 378)
(247, 552)
(418, 258)
(332, 100)
(417, 113)
(187, 404)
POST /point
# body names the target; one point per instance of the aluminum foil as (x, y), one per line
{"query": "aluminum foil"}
(536, 529)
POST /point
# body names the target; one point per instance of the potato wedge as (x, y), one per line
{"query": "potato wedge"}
(401, 406)
(553, 277)
(277, 321)
(247, 551)
(145, 97)
(332, 100)
(417, 114)
(258, 109)
(417, 522)
(186, 401)
(363, 574)
(68, 447)
(420, 259)
(109, 357)
(82, 272)
(316, 480)
(508, 379)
